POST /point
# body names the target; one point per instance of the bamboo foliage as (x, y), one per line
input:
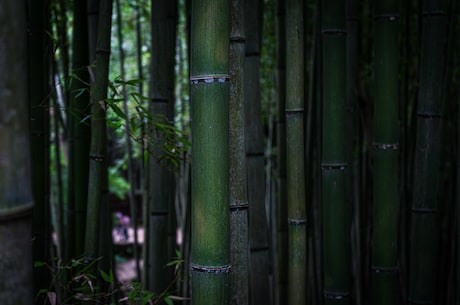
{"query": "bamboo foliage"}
(386, 155)
(209, 76)
(295, 166)
(335, 212)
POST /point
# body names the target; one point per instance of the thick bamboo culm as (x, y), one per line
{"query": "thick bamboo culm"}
(295, 147)
(384, 265)
(209, 77)
(335, 212)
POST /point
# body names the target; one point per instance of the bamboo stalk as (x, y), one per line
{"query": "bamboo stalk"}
(386, 155)
(335, 210)
(424, 240)
(210, 261)
(239, 275)
(16, 197)
(295, 152)
(79, 126)
(98, 161)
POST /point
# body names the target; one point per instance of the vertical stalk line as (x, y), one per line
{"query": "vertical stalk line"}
(16, 195)
(280, 281)
(457, 213)
(335, 207)
(295, 152)
(354, 147)
(61, 28)
(408, 101)
(129, 145)
(315, 96)
(58, 197)
(79, 127)
(98, 158)
(384, 264)
(255, 157)
(239, 282)
(424, 230)
(39, 115)
(210, 260)
(456, 278)
(161, 183)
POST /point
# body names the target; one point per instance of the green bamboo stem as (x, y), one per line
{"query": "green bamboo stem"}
(93, 21)
(457, 218)
(295, 147)
(280, 274)
(335, 211)
(386, 154)
(79, 134)
(354, 147)
(239, 275)
(258, 226)
(210, 260)
(98, 157)
(16, 196)
(39, 137)
(424, 241)
(161, 188)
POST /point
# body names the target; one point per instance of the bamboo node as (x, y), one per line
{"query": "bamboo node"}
(296, 222)
(238, 39)
(16, 212)
(382, 269)
(387, 146)
(97, 158)
(335, 295)
(386, 17)
(239, 207)
(338, 32)
(208, 79)
(334, 166)
(102, 51)
(213, 270)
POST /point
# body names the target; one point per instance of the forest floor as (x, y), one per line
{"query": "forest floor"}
(125, 263)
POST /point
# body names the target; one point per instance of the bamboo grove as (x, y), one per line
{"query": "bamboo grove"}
(266, 151)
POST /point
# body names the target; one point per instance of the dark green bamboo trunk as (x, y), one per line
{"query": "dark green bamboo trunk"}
(258, 226)
(210, 260)
(354, 145)
(335, 208)
(295, 146)
(239, 275)
(161, 181)
(280, 274)
(98, 158)
(93, 21)
(424, 241)
(39, 136)
(16, 196)
(457, 214)
(79, 134)
(386, 154)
